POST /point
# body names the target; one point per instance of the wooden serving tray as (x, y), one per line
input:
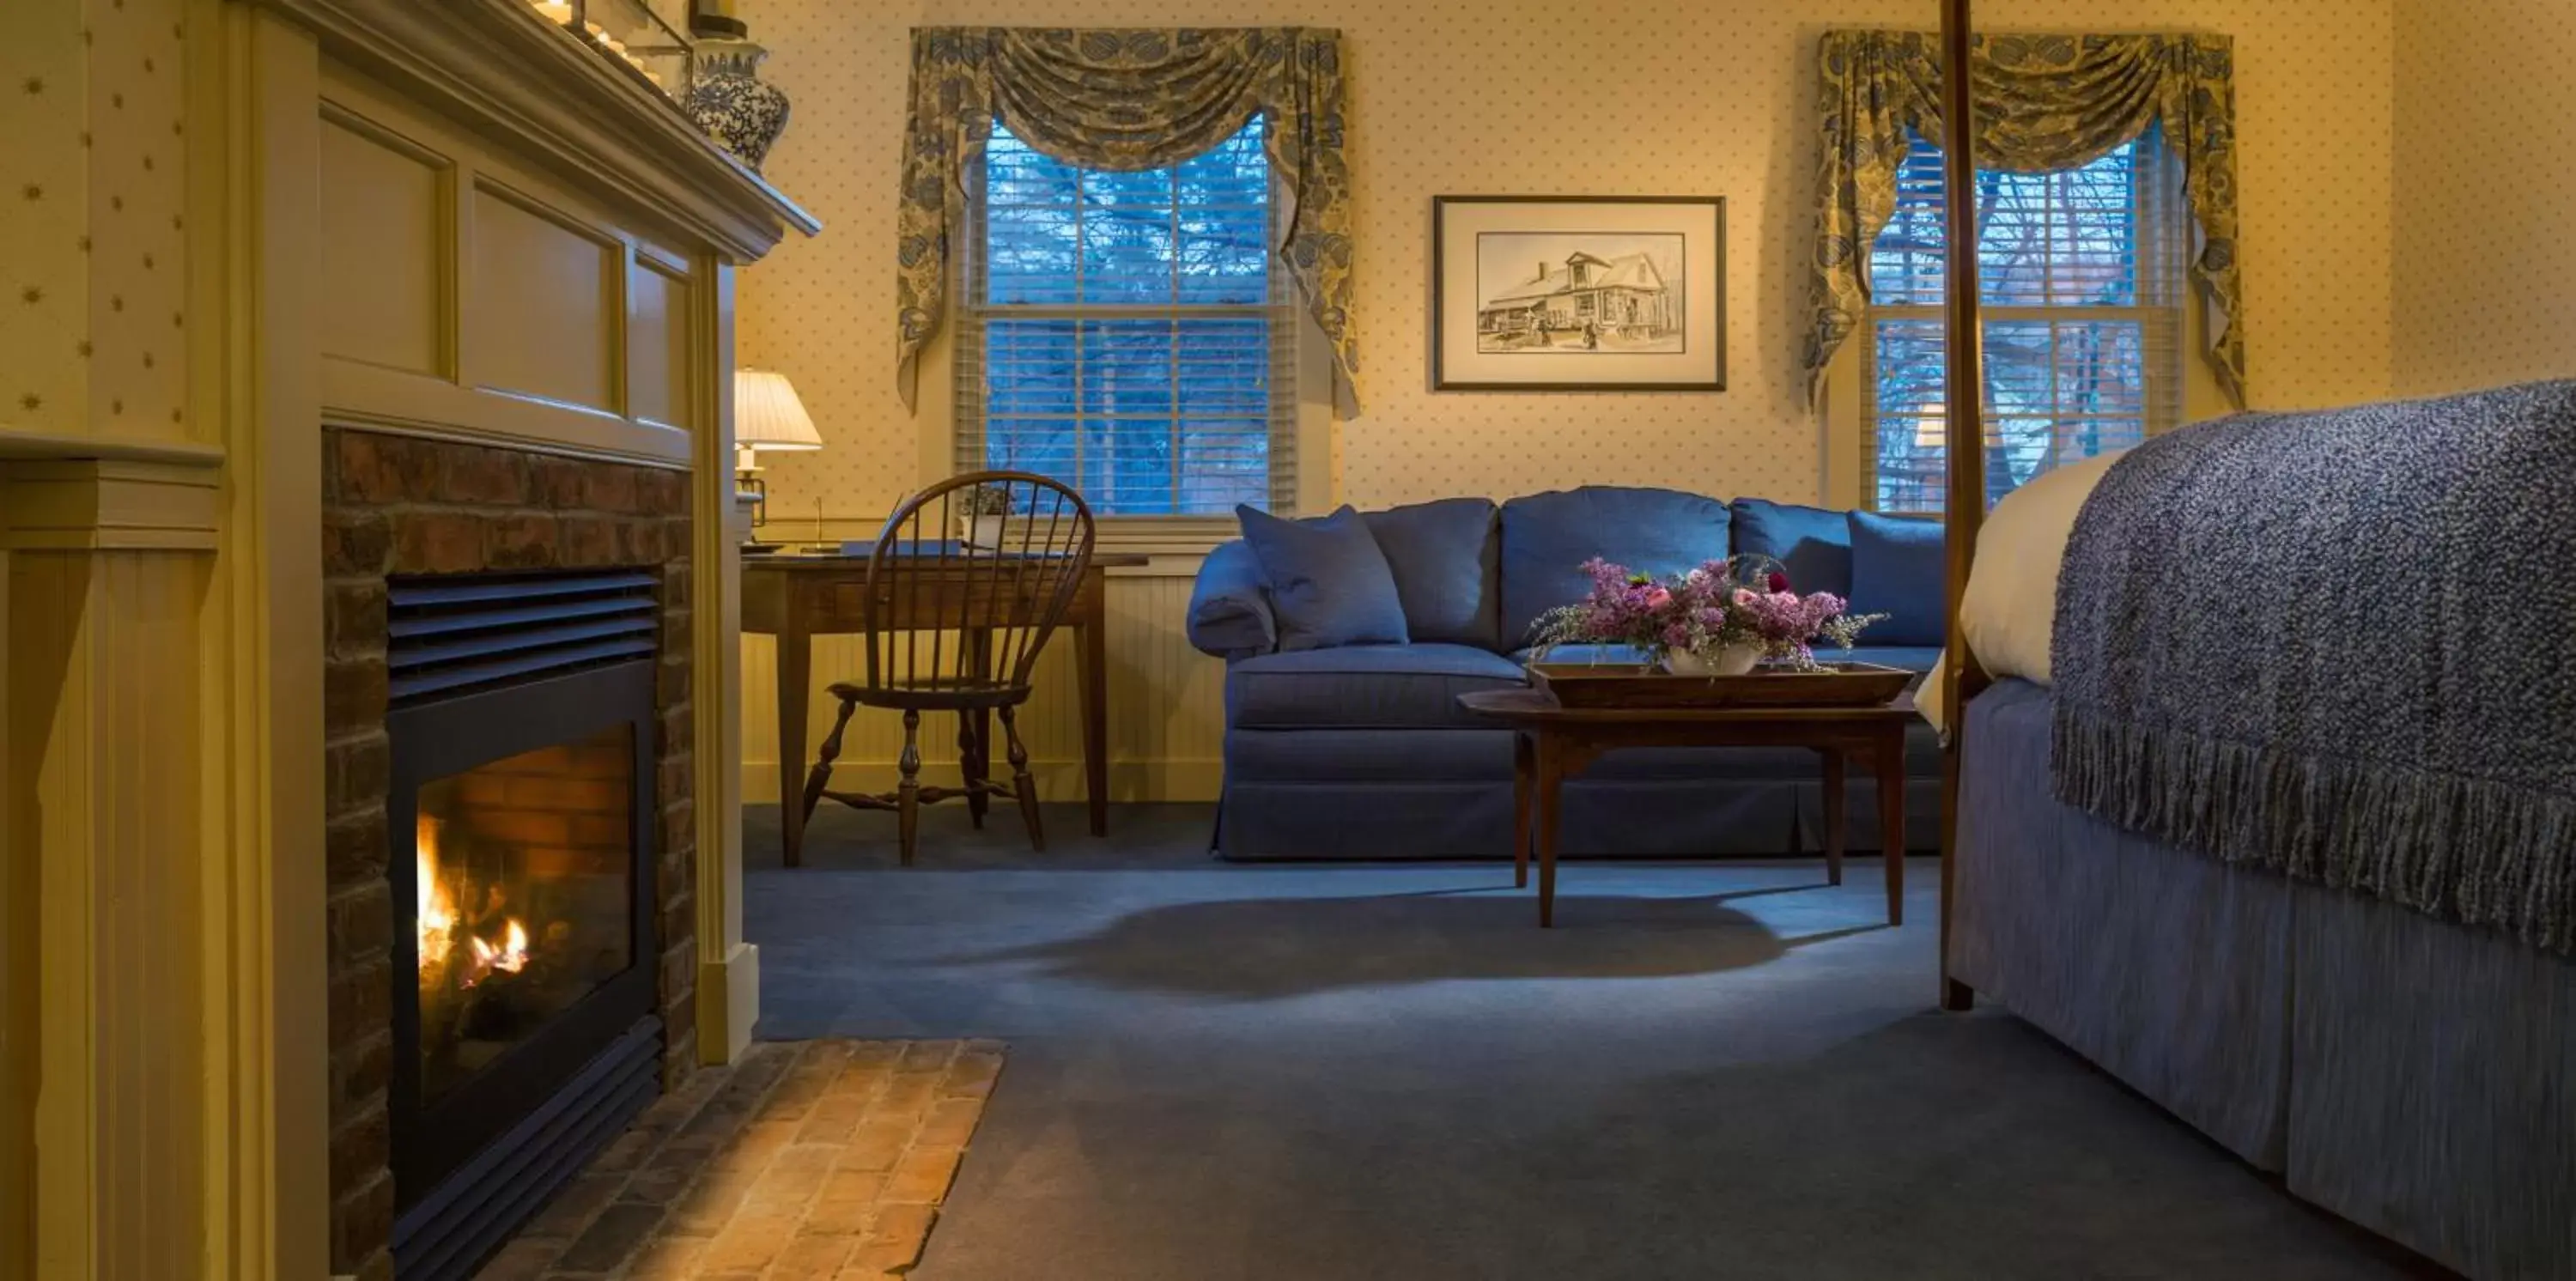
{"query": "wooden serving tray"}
(1637, 685)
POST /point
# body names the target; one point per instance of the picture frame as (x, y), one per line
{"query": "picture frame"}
(1578, 293)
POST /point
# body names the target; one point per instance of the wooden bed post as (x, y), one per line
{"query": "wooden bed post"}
(1965, 509)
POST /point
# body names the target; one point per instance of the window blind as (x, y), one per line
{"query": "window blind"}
(1126, 333)
(2080, 284)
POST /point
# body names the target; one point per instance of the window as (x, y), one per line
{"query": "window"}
(1125, 333)
(2080, 291)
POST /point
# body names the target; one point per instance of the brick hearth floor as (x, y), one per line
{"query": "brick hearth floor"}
(825, 1160)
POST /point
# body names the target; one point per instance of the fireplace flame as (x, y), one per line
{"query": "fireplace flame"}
(435, 909)
(509, 958)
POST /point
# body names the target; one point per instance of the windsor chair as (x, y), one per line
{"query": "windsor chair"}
(997, 593)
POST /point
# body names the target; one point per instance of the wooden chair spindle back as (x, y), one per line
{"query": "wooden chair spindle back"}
(998, 588)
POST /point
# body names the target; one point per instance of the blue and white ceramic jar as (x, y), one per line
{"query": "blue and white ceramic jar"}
(729, 101)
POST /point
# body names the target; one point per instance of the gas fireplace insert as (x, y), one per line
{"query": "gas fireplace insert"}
(526, 1031)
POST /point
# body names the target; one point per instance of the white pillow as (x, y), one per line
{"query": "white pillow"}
(2009, 615)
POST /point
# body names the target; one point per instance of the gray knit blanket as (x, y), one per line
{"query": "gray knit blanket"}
(2340, 645)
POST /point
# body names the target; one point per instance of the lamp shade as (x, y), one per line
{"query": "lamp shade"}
(767, 415)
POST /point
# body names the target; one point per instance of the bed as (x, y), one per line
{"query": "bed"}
(2409, 1072)
(2396, 1041)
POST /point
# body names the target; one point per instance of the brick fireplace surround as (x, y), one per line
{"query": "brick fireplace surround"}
(403, 505)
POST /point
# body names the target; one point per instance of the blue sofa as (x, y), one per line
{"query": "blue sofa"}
(1361, 751)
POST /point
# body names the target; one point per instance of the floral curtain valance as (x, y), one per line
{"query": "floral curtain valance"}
(1125, 100)
(2042, 102)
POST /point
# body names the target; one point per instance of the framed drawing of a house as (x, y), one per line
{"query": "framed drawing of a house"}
(1578, 293)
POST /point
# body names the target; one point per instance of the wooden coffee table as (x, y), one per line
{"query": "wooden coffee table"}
(1553, 743)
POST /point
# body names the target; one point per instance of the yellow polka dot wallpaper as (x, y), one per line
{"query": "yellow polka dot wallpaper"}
(93, 323)
(43, 219)
(2486, 118)
(1648, 97)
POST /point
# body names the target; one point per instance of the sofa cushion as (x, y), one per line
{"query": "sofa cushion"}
(1443, 555)
(1329, 583)
(1547, 537)
(1364, 687)
(1812, 542)
(1898, 570)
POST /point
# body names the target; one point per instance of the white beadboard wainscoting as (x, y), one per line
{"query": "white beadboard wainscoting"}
(1166, 706)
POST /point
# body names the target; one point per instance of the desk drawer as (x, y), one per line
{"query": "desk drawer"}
(933, 603)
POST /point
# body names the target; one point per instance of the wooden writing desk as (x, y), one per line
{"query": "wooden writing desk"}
(797, 598)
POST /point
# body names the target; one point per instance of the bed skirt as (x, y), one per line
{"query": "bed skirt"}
(2416, 1077)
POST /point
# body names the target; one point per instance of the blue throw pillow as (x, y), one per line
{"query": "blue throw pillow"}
(1547, 537)
(1329, 583)
(1443, 556)
(1812, 542)
(1898, 569)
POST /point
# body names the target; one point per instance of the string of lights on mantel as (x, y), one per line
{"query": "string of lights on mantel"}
(562, 13)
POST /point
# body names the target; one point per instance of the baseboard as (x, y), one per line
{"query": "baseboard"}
(728, 1004)
(1130, 782)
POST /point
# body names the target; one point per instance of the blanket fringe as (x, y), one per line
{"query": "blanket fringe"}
(2459, 848)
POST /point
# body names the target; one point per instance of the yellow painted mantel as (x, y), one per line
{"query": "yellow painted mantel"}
(109, 504)
(259, 217)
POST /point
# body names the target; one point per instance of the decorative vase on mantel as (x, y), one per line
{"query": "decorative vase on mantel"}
(728, 99)
(1728, 660)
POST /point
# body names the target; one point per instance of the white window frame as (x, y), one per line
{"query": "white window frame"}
(2162, 377)
(1299, 404)
(2185, 381)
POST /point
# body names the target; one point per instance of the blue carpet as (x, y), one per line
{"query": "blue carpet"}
(1295, 1072)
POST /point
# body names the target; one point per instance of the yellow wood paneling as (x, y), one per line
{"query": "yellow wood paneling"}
(1166, 707)
(18, 1007)
(544, 313)
(364, 396)
(108, 503)
(658, 347)
(40, 676)
(387, 247)
(163, 1084)
(728, 964)
(590, 323)
(105, 651)
(259, 744)
(524, 276)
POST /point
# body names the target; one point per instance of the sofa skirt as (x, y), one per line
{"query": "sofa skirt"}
(1447, 794)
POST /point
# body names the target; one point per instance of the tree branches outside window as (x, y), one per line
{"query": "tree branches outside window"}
(1126, 332)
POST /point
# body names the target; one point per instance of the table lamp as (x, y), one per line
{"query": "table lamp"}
(766, 417)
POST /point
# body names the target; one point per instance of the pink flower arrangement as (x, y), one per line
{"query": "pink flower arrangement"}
(1745, 601)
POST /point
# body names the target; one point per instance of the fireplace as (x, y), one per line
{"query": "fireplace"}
(499, 616)
(526, 1028)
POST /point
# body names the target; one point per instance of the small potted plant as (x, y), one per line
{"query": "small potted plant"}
(1722, 619)
(980, 516)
